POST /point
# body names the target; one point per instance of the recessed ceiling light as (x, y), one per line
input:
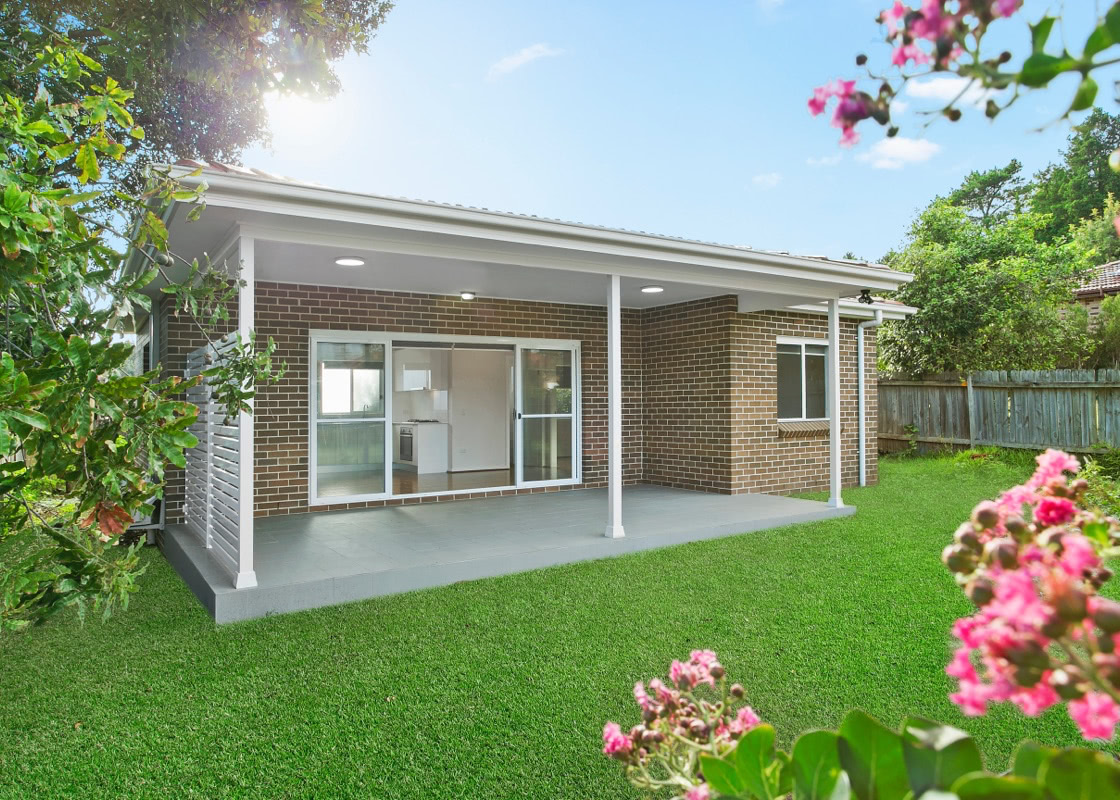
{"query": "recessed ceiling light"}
(653, 289)
(349, 261)
(467, 295)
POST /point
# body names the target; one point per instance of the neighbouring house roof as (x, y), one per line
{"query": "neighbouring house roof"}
(1105, 280)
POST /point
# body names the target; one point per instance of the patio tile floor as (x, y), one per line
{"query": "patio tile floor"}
(310, 560)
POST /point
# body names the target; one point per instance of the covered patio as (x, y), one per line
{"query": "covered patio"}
(311, 560)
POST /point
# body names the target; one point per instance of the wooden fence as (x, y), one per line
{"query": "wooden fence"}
(1072, 409)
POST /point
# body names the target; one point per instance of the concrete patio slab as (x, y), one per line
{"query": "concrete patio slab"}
(308, 561)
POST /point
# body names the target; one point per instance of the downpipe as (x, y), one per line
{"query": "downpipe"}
(861, 382)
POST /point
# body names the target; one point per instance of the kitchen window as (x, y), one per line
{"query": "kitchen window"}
(802, 382)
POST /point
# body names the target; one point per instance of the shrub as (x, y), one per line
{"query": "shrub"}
(1032, 562)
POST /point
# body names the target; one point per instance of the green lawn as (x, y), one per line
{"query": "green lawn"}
(499, 688)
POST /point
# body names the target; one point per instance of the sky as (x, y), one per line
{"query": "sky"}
(686, 119)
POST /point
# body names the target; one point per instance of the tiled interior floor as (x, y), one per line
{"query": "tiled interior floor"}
(407, 481)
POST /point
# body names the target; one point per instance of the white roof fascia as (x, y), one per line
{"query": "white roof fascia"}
(854, 308)
(251, 192)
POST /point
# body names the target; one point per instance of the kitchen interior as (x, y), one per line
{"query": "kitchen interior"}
(452, 416)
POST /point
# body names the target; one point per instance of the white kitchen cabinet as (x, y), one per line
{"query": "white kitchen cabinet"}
(428, 445)
(420, 369)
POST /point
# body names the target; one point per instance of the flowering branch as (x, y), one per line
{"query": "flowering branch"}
(946, 37)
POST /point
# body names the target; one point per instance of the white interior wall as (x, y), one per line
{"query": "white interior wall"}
(480, 409)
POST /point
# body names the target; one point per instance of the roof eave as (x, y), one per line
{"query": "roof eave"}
(227, 188)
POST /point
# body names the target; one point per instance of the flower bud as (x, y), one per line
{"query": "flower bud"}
(1068, 683)
(861, 59)
(1053, 538)
(737, 690)
(1098, 577)
(717, 671)
(652, 737)
(986, 514)
(1028, 654)
(1054, 627)
(1018, 528)
(1106, 615)
(980, 591)
(958, 559)
(1057, 487)
(1079, 486)
(966, 537)
(1105, 643)
(1070, 603)
(1002, 552)
(1027, 676)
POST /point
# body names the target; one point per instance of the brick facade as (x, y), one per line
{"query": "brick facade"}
(699, 387)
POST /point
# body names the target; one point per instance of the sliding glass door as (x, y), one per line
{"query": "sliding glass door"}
(349, 419)
(547, 423)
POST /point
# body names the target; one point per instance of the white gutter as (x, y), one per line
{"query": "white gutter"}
(861, 382)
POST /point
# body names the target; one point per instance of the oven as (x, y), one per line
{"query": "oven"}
(405, 444)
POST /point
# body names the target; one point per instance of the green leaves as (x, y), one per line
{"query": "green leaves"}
(937, 755)
(86, 161)
(817, 773)
(871, 754)
(1081, 775)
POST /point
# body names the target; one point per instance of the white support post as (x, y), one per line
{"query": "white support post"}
(833, 384)
(246, 314)
(614, 411)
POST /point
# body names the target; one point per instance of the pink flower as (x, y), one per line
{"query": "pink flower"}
(1096, 714)
(1054, 511)
(643, 699)
(1078, 555)
(661, 690)
(1005, 8)
(972, 698)
(1035, 700)
(615, 743)
(892, 15)
(1016, 497)
(909, 52)
(703, 658)
(1052, 464)
(849, 138)
(701, 792)
(819, 100)
(961, 666)
(744, 721)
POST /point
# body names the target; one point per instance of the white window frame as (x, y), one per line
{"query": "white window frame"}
(801, 341)
(347, 337)
(387, 338)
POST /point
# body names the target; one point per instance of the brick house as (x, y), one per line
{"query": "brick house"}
(437, 353)
(1104, 283)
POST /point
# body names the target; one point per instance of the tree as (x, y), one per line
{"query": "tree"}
(84, 443)
(991, 196)
(1069, 192)
(1096, 234)
(199, 70)
(987, 298)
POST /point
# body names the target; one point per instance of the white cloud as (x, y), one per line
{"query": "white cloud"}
(825, 161)
(899, 151)
(521, 58)
(947, 88)
(899, 107)
(767, 180)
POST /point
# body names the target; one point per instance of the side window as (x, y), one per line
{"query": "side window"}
(802, 387)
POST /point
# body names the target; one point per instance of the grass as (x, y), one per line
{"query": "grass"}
(499, 688)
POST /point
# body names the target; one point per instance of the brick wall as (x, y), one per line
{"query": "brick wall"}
(699, 386)
(766, 459)
(687, 394)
